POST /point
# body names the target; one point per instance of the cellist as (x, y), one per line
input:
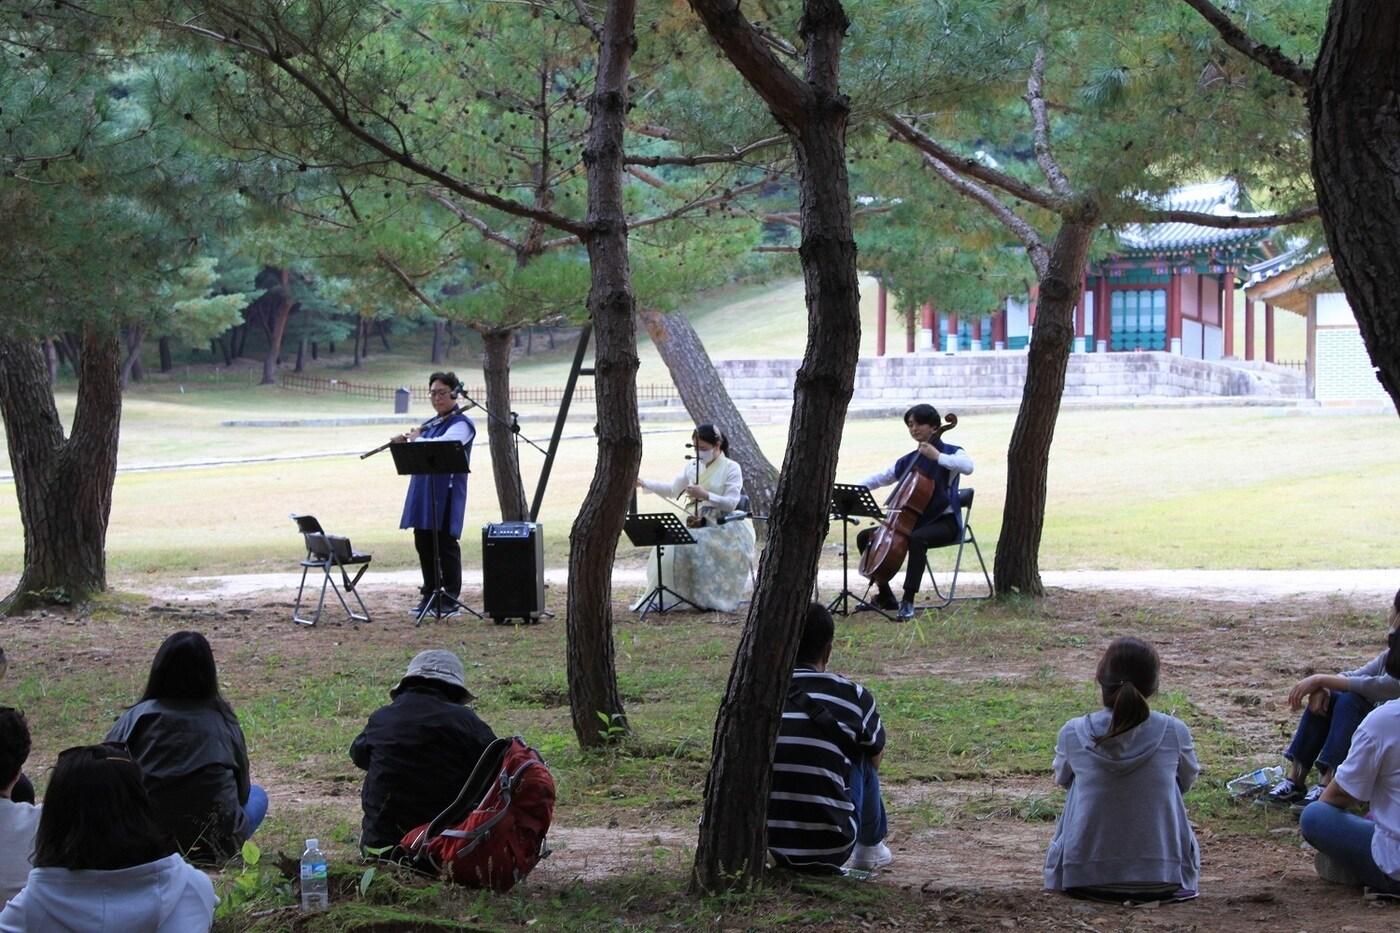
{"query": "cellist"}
(941, 521)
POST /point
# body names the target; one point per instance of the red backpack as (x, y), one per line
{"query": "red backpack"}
(494, 832)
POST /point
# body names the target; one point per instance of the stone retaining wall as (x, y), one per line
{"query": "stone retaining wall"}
(991, 375)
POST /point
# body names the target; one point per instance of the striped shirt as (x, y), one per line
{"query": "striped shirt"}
(811, 821)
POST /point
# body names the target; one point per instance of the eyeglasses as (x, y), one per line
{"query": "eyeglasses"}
(439, 393)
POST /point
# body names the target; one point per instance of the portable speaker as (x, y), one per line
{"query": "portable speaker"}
(512, 567)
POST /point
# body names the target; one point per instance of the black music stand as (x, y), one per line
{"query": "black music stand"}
(849, 503)
(658, 530)
(433, 458)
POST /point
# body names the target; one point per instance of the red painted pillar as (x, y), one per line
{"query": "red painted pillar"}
(1174, 311)
(1227, 308)
(977, 332)
(882, 298)
(909, 326)
(1104, 325)
(1268, 332)
(1031, 303)
(953, 342)
(1248, 329)
(999, 328)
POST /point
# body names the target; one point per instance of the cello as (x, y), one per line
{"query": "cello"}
(889, 546)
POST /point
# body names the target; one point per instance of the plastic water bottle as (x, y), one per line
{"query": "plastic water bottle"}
(1255, 782)
(315, 885)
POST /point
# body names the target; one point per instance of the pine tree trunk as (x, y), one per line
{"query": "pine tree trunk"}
(382, 327)
(166, 362)
(706, 400)
(359, 344)
(732, 846)
(132, 337)
(278, 314)
(64, 487)
(301, 356)
(439, 342)
(505, 464)
(594, 700)
(1017, 564)
(1356, 168)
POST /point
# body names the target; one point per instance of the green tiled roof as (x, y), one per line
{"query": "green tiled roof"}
(1183, 239)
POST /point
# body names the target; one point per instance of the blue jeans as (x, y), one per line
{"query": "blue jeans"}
(255, 810)
(1346, 837)
(1325, 738)
(870, 808)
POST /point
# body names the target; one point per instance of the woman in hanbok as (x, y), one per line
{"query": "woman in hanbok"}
(713, 573)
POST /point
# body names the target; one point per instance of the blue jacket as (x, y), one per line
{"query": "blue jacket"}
(447, 491)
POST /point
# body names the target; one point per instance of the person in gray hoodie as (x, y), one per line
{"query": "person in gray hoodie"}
(100, 861)
(1124, 834)
(1335, 706)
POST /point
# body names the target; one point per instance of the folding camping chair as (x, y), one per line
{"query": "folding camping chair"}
(329, 552)
(967, 537)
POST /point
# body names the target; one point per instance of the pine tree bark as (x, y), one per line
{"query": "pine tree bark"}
(64, 486)
(1356, 168)
(1017, 563)
(166, 362)
(705, 398)
(277, 326)
(505, 464)
(733, 831)
(595, 703)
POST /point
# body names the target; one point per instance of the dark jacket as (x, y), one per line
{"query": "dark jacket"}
(418, 752)
(195, 762)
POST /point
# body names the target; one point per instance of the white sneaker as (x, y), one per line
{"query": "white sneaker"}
(869, 858)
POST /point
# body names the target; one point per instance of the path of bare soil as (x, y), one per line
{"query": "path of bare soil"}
(1235, 660)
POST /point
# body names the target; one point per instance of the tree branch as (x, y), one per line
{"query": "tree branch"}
(1035, 99)
(481, 226)
(787, 96)
(1270, 56)
(1226, 222)
(409, 284)
(734, 155)
(971, 167)
(1035, 246)
(585, 17)
(397, 155)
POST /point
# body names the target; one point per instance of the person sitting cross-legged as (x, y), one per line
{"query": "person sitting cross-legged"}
(824, 805)
(419, 750)
(1352, 849)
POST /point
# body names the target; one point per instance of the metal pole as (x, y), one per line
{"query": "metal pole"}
(574, 373)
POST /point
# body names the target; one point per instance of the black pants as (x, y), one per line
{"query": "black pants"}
(451, 553)
(940, 532)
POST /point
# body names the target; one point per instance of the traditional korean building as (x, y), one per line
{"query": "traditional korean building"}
(1167, 287)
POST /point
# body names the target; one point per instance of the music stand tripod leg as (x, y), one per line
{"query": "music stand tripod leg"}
(439, 597)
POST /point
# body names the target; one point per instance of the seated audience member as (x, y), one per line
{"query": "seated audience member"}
(18, 820)
(1124, 834)
(419, 750)
(1336, 704)
(192, 752)
(101, 863)
(1352, 849)
(824, 806)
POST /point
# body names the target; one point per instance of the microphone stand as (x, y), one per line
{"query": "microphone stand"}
(513, 426)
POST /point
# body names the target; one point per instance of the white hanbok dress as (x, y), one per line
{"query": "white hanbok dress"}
(713, 573)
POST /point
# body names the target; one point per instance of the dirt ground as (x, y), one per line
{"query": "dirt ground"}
(1234, 660)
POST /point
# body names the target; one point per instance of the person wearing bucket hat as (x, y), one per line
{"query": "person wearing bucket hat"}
(419, 749)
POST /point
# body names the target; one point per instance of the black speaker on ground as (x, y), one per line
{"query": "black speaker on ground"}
(512, 568)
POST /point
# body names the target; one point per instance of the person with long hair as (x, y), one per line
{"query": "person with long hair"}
(1354, 849)
(1333, 706)
(192, 752)
(1124, 834)
(101, 861)
(712, 573)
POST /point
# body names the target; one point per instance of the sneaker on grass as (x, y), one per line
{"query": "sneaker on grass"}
(1284, 794)
(1313, 795)
(869, 858)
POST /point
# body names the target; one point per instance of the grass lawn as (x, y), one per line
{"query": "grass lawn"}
(972, 699)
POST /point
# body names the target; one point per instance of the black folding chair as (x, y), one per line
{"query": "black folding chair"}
(329, 552)
(965, 503)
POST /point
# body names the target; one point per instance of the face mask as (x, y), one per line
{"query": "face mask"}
(706, 456)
